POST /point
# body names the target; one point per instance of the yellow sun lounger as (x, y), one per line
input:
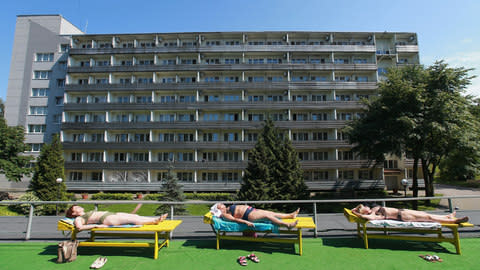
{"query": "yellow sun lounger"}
(303, 223)
(160, 231)
(364, 231)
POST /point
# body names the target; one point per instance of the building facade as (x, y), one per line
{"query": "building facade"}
(131, 106)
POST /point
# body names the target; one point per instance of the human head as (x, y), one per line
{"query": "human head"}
(362, 209)
(217, 209)
(74, 211)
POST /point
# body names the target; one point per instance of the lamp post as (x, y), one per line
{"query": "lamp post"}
(59, 181)
(405, 184)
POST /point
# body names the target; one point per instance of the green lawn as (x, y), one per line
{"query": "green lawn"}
(329, 253)
(146, 209)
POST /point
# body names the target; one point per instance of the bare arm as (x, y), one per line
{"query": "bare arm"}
(238, 220)
(81, 226)
(371, 216)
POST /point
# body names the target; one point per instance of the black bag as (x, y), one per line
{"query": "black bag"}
(67, 251)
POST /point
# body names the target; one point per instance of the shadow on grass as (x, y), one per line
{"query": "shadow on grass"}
(386, 244)
(269, 248)
(51, 250)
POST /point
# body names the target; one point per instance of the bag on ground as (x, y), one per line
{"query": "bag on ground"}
(67, 251)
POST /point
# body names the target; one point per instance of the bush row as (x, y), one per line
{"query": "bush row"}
(160, 196)
(112, 196)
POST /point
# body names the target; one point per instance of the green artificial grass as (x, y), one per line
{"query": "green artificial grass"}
(328, 253)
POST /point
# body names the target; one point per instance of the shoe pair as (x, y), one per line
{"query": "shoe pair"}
(98, 263)
(431, 258)
(242, 260)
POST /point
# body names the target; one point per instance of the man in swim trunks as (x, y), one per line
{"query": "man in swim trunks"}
(103, 219)
(246, 214)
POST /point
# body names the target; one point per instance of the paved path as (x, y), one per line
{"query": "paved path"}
(461, 204)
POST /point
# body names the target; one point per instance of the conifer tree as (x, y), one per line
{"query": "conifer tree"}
(273, 171)
(173, 192)
(49, 167)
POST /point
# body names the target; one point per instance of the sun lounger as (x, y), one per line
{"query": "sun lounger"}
(224, 229)
(159, 233)
(366, 227)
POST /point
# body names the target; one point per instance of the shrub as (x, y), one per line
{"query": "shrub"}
(154, 197)
(112, 196)
(211, 196)
(24, 209)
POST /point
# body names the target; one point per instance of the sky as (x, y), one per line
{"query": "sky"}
(447, 30)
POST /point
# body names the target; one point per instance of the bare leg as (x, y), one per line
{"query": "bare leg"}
(124, 218)
(412, 215)
(278, 215)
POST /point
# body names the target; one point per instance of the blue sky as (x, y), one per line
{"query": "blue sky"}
(448, 30)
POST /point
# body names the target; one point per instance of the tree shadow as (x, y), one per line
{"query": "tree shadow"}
(386, 244)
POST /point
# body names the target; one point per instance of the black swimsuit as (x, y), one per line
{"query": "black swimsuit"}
(232, 207)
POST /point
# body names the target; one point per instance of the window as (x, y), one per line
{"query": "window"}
(255, 117)
(119, 157)
(166, 137)
(76, 176)
(211, 176)
(64, 47)
(96, 156)
(141, 118)
(320, 155)
(143, 99)
(167, 99)
(185, 176)
(39, 92)
(347, 174)
(78, 137)
(76, 157)
(256, 79)
(186, 117)
(210, 137)
(121, 137)
(341, 136)
(320, 175)
(79, 119)
(41, 75)
(230, 177)
(319, 116)
(344, 116)
(37, 128)
(209, 156)
(230, 156)
(44, 57)
(166, 118)
(230, 117)
(382, 71)
(165, 156)
(123, 99)
(300, 117)
(255, 98)
(121, 118)
(162, 176)
(299, 98)
(319, 97)
(185, 156)
(365, 174)
(303, 156)
(85, 63)
(140, 157)
(101, 81)
(210, 117)
(185, 137)
(251, 137)
(320, 136)
(300, 136)
(186, 99)
(97, 176)
(230, 137)
(98, 118)
(99, 99)
(57, 118)
(141, 137)
(38, 110)
(275, 98)
(232, 61)
(390, 164)
(80, 100)
(96, 137)
(345, 155)
(34, 147)
(61, 82)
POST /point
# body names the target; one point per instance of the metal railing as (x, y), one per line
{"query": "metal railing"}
(382, 201)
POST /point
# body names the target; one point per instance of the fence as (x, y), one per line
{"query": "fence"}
(382, 201)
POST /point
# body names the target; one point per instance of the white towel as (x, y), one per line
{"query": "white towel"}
(215, 211)
(405, 224)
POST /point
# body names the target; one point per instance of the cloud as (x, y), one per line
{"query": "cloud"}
(468, 60)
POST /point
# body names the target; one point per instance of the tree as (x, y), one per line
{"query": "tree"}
(13, 163)
(49, 167)
(273, 171)
(420, 112)
(173, 192)
(2, 108)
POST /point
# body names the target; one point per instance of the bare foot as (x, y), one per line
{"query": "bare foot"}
(162, 218)
(293, 224)
(461, 220)
(294, 214)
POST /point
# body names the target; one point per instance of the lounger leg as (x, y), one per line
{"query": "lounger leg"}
(155, 248)
(365, 237)
(218, 241)
(456, 240)
(300, 246)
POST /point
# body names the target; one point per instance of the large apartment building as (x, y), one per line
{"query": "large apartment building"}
(130, 106)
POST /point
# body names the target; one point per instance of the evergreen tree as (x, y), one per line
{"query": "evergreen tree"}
(13, 164)
(173, 192)
(49, 167)
(273, 171)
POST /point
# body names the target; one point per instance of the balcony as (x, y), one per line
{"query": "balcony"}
(236, 48)
(406, 48)
(222, 67)
(156, 165)
(158, 145)
(202, 125)
(227, 106)
(309, 85)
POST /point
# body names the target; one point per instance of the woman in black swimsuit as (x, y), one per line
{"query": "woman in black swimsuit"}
(380, 212)
(246, 214)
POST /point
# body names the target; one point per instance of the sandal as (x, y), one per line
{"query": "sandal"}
(253, 258)
(431, 258)
(242, 260)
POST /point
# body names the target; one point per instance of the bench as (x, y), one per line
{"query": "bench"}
(365, 232)
(156, 232)
(303, 223)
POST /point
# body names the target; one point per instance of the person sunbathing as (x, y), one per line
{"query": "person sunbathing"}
(247, 215)
(380, 212)
(103, 219)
